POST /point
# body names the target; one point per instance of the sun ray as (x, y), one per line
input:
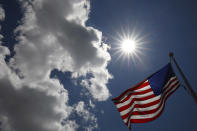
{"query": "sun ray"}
(129, 45)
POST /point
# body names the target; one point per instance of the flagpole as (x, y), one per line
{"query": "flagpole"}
(193, 94)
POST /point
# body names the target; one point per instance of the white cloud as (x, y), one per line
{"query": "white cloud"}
(2, 17)
(51, 35)
(86, 116)
(56, 37)
(40, 106)
(70, 126)
(31, 109)
(91, 104)
(3, 67)
(2, 13)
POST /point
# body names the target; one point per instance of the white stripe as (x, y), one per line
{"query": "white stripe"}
(147, 101)
(153, 114)
(125, 120)
(140, 103)
(143, 89)
(134, 96)
(169, 88)
(141, 96)
(157, 105)
(153, 106)
(137, 90)
(171, 79)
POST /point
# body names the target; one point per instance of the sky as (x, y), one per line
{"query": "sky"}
(60, 64)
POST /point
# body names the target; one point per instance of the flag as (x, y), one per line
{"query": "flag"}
(145, 101)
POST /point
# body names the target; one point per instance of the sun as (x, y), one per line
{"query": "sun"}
(128, 46)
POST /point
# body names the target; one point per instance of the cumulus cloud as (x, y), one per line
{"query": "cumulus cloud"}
(3, 67)
(40, 106)
(2, 13)
(70, 126)
(51, 36)
(30, 109)
(86, 116)
(2, 17)
(57, 37)
(91, 104)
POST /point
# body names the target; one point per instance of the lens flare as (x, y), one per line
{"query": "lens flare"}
(128, 46)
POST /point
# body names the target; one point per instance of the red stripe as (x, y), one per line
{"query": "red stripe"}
(154, 102)
(129, 113)
(139, 112)
(135, 99)
(149, 104)
(132, 94)
(145, 105)
(150, 111)
(150, 119)
(137, 86)
(169, 84)
(142, 92)
(154, 110)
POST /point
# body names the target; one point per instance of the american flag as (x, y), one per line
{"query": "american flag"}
(146, 101)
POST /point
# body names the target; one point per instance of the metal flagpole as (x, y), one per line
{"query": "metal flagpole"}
(184, 78)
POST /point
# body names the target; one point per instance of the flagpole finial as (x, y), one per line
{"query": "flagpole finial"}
(171, 54)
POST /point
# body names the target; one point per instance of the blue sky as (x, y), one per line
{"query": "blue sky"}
(170, 26)
(164, 25)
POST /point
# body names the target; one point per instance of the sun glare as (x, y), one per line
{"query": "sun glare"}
(128, 46)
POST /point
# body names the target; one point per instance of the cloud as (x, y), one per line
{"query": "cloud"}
(91, 104)
(40, 106)
(86, 116)
(70, 126)
(57, 37)
(2, 17)
(4, 69)
(2, 13)
(51, 35)
(30, 109)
